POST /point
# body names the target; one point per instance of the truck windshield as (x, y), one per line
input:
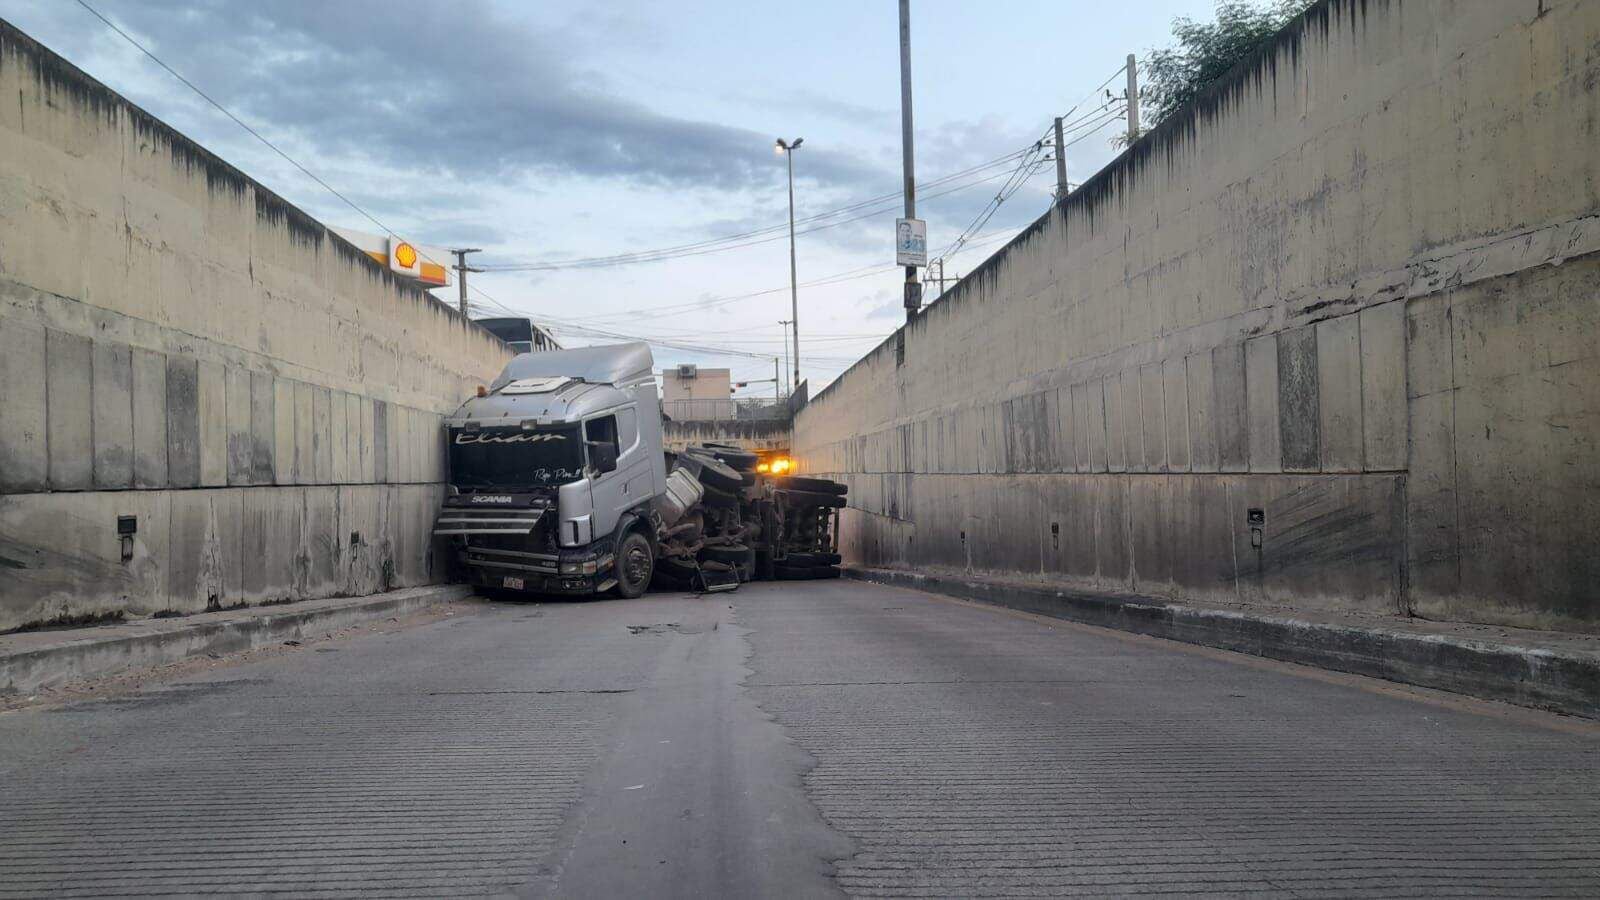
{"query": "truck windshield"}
(513, 457)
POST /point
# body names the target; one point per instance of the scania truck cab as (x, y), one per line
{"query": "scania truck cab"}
(554, 468)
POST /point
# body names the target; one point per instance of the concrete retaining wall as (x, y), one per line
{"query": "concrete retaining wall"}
(180, 345)
(1354, 287)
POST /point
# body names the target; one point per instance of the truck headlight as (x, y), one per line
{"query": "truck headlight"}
(579, 567)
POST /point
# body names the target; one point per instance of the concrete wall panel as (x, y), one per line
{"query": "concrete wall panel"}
(24, 453)
(68, 373)
(240, 442)
(113, 415)
(1175, 400)
(1229, 408)
(305, 436)
(1152, 409)
(1339, 392)
(212, 422)
(183, 422)
(283, 431)
(149, 419)
(1383, 387)
(1299, 416)
(1261, 395)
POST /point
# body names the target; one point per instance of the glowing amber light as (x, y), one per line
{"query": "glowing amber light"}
(781, 465)
(405, 255)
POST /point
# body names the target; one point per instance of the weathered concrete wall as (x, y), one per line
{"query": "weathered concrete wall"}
(1354, 287)
(180, 345)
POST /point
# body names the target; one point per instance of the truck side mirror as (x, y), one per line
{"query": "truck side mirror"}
(603, 456)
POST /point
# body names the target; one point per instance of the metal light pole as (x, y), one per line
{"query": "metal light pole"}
(913, 298)
(787, 149)
(786, 323)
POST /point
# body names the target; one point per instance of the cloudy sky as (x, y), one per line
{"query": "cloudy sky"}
(552, 132)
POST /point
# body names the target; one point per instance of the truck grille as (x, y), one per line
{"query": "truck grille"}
(487, 521)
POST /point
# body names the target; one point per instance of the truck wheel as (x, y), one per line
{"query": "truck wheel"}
(714, 473)
(824, 571)
(803, 499)
(819, 485)
(635, 562)
(735, 554)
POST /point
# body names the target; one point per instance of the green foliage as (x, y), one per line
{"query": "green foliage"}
(1207, 50)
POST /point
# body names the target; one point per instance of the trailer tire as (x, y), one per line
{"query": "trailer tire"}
(674, 567)
(737, 459)
(663, 582)
(735, 554)
(791, 573)
(714, 473)
(803, 499)
(718, 497)
(817, 485)
(634, 566)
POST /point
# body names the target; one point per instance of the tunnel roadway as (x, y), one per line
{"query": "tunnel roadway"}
(814, 739)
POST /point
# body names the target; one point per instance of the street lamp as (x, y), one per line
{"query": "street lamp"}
(787, 149)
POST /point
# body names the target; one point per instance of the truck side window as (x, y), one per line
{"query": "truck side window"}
(627, 428)
(602, 431)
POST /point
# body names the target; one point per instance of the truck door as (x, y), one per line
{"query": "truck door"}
(629, 485)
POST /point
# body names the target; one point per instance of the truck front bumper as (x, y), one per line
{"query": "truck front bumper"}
(575, 576)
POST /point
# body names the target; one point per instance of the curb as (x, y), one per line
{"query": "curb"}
(103, 652)
(1540, 678)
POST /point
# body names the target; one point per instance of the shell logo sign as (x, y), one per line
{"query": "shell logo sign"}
(424, 265)
(405, 259)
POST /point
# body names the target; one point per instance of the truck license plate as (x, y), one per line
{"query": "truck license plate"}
(513, 583)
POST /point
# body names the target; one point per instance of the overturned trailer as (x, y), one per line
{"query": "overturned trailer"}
(559, 484)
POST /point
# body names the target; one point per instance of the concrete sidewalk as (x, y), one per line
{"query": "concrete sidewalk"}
(1558, 671)
(34, 660)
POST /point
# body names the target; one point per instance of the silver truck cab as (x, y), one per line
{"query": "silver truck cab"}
(552, 467)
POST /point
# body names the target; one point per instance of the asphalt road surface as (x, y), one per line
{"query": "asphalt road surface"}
(820, 739)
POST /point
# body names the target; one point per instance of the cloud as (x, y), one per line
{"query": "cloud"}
(456, 89)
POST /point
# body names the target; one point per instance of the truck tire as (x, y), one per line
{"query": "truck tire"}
(737, 459)
(801, 560)
(734, 554)
(716, 497)
(803, 499)
(673, 567)
(634, 566)
(763, 565)
(791, 573)
(824, 571)
(817, 485)
(714, 473)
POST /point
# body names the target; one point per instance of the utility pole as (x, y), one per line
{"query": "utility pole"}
(788, 149)
(941, 277)
(788, 388)
(913, 299)
(1061, 164)
(777, 382)
(1133, 102)
(462, 269)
